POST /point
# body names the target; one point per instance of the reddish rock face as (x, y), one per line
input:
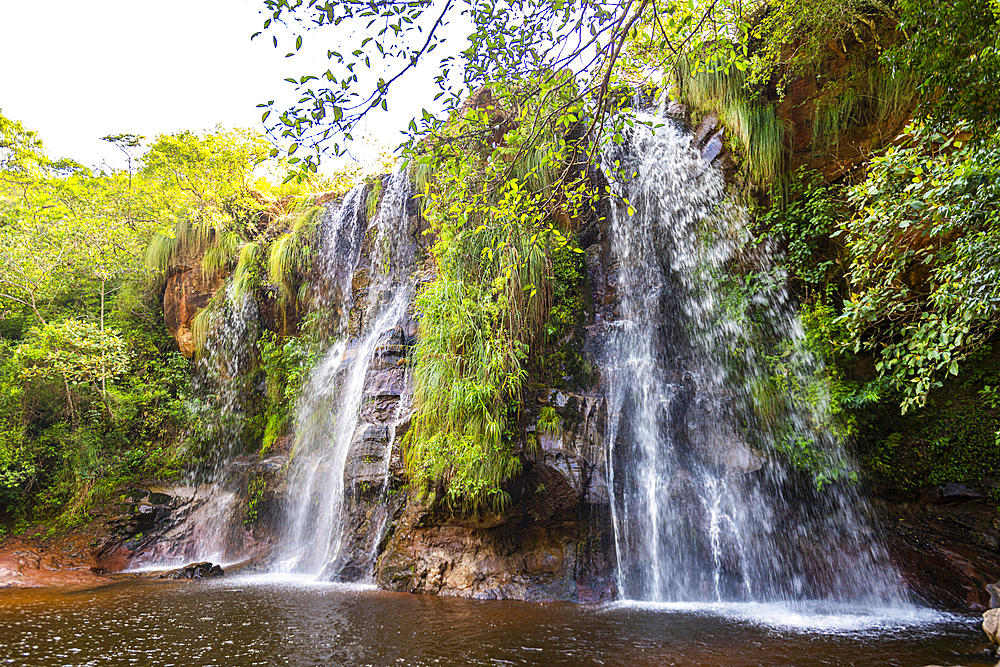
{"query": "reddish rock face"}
(33, 561)
(856, 144)
(188, 289)
(804, 92)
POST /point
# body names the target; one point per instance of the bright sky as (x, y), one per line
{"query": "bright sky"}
(76, 71)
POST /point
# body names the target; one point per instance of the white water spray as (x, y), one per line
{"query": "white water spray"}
(700, 514)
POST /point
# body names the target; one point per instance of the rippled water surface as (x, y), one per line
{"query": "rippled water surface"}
(255, 621)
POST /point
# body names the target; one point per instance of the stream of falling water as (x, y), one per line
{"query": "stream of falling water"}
(325, 428)
(206, 501)
(704, 510)
(327, 418)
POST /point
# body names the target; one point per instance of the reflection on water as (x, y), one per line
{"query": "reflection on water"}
(236, 622)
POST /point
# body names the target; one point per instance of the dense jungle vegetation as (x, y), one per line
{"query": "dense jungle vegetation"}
(93, 391)
(867, 141)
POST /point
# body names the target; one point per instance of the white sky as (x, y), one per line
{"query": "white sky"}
(76, 71)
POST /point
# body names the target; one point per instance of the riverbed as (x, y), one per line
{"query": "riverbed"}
(256, 620)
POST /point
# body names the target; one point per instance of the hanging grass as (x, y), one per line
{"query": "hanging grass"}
(254, 255)
(896, 93)
(201, 328)
(195, 235)
(870, 96)
(160, 252)
(479, 319)
(218, 255)
(492, 206)
(423, 175)
(500, 197)
(767, 142)
(188, 238)
(709, 90)
(759, 134)
(539, 164)
(283, 259)
(246, 276)
(468, 375)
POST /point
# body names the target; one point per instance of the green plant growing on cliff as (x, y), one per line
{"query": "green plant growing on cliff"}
(762, 137)
(557, 358)
(255, 494)
(924, 274)
(289, 259)
(284, 364)
(495, 222)
(468, 377)
(805, 216)
(953, 53)
(870, 94)
(549, 422)
(800, 37)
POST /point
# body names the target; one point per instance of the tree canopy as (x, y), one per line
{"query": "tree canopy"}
(91, 388)
(603, 43)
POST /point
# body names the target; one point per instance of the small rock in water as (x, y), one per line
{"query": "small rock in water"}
(202, 570)
(991, 625)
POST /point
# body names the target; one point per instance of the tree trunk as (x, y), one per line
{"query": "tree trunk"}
(69, 401)
(104, 368)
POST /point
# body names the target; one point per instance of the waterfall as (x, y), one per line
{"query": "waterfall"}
(336, 441)
(704, 507)
(222, 373)
(203, 510)
(341, 232)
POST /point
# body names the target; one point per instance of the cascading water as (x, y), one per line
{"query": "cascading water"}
(326, 425)
(700, 514)
(204, 510)
(223, 368)
(341, 230)
(329, 422)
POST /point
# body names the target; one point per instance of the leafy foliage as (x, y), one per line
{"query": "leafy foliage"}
(498, 215)
(804, 400)
(805, 216)
(605, 43)
(952, 438)
(924, 275)
(91, 393)
(953, 51)
(790, 38)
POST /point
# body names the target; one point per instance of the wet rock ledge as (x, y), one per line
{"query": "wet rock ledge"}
(553, 543)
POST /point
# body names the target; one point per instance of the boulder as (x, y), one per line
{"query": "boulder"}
(994, 590)
(991, 625)
(203, 570)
